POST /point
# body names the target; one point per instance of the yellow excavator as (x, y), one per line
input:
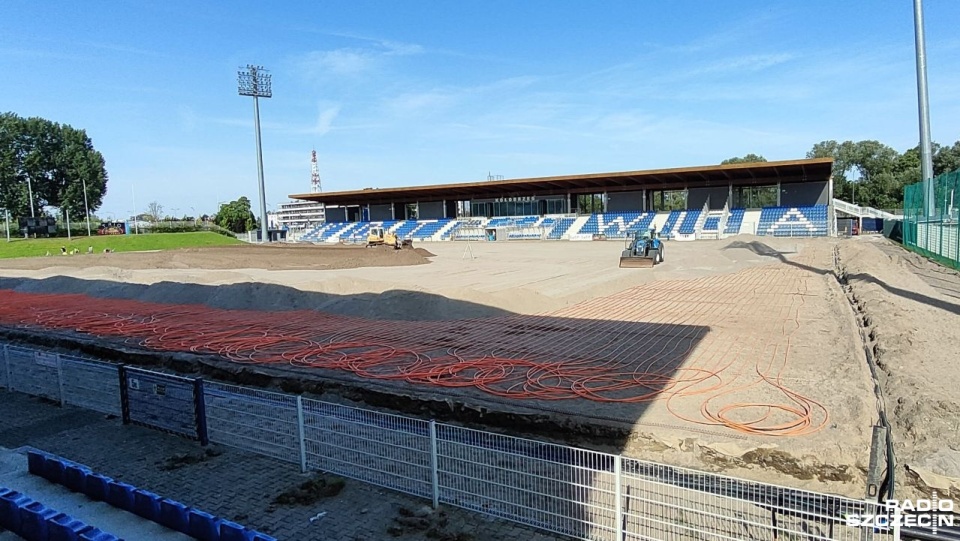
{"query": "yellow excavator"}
(378, 236)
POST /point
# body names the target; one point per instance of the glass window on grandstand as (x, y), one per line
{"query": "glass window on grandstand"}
(663, 200)
(517, 206)
(754, 197)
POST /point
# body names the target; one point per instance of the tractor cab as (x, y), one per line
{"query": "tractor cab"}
(644, 251)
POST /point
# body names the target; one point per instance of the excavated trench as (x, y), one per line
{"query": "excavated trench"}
(872, 354)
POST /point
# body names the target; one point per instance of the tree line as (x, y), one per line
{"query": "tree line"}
(872, 174)
(43, 163)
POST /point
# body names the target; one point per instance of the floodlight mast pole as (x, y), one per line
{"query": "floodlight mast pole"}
(926, 152)
(255, 81)
(86, 208)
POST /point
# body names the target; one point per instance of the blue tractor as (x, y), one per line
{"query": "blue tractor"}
(645, 250)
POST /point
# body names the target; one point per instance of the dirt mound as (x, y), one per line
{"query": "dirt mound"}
(279, 257)
(914, 334)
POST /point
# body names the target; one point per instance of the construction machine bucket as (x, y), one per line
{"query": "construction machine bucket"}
(636, 262)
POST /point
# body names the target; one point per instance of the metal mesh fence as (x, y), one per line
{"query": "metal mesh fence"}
(664, 502)
(935, 234)
(556, 488)
(253, 420)
(91, 385)
(379, 448)
(583, 494)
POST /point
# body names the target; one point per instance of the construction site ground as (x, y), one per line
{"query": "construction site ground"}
(741, 356)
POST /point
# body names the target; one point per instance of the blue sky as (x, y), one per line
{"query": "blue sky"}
(417, 92)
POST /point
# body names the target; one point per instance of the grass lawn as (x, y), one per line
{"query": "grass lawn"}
(20, 247)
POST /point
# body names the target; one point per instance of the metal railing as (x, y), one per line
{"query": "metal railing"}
(863, 212)
(580, 493)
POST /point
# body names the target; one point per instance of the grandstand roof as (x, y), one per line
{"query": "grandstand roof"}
(817, 169)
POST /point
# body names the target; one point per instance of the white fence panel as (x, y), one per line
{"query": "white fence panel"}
(664, 502)
(90, 384)
(34, 372)
(379, 448)
(560, 489)
(253, 420)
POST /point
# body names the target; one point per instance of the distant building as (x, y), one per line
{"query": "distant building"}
(298, 214)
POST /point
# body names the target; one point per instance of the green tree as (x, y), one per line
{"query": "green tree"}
(946, 159)
(236, 216)
(749, 158)
(864, 172)
(52, 161)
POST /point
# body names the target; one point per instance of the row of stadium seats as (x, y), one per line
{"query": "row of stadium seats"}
(794, 221)
(671, 222)
(147, 505)
(617, 224)
(513, 221)
(428, 229)
(734, 221)
(776, 221)
(712, 223)
(560, 227)
(689, 223)
(27, 518)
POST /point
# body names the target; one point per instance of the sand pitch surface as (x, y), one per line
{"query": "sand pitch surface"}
(739, 355)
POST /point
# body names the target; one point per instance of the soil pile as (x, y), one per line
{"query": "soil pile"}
(281, 257)
(914, 333)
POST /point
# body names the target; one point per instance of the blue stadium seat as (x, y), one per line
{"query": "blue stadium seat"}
(560, 227)
(734, 221)
(711, 224)
(781, 221)
(671, 222)
(689, 223)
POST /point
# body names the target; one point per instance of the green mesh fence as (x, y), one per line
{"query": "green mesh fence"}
(934, 234)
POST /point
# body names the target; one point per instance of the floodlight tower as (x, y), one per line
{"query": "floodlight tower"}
(314, 173)
(255, 81)
(926, 152)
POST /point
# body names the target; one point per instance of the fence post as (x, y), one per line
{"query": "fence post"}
(200, 409)
(618, 494)
(434, 476)
(63, 401)
(302, 435)
(6, 367)
(124, 395)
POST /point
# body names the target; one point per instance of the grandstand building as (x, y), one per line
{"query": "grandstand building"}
(786, 198)
(299, 215)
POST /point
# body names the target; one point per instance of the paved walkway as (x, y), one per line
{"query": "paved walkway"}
(236, 485)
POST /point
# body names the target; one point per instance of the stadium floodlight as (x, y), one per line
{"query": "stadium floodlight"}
(926, 152)
(30, 195)
(254, 81)
(86, 208)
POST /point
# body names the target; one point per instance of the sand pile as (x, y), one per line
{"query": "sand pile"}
(281, 257)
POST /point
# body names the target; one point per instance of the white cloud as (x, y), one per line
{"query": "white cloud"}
(338, 62)
(419, 103)
(325, 120)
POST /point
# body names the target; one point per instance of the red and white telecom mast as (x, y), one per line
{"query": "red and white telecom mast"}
(314, 173)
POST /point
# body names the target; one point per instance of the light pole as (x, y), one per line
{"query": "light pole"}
(926, 152)
(86, 208)
(30, 195)
(255, 81)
